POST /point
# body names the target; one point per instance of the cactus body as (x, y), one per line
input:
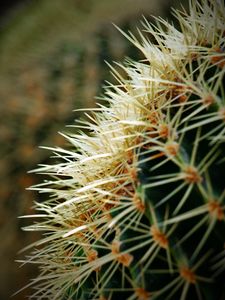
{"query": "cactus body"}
(137, 206)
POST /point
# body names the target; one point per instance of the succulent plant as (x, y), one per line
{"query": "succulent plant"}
(137, 205)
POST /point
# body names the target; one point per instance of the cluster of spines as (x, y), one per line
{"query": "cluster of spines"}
(118, 201)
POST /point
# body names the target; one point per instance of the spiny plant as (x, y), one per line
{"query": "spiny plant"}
(137, 205)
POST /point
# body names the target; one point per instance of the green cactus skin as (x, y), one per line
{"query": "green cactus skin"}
(137, 205)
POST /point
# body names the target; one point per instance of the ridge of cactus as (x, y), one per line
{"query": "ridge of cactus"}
(137, 205)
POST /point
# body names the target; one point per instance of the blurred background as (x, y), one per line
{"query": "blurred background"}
(52, 58)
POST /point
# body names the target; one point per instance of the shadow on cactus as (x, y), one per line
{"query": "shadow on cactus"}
(137, 206)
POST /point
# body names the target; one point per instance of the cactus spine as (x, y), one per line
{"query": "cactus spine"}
(137, 205)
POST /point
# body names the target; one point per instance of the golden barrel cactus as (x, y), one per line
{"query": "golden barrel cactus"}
(136, 205)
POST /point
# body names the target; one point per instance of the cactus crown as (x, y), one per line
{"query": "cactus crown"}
(137, 205)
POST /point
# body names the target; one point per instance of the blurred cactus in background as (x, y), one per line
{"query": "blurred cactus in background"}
(48, 69)
(136, 206)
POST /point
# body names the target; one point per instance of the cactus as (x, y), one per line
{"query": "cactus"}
(136, 206)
